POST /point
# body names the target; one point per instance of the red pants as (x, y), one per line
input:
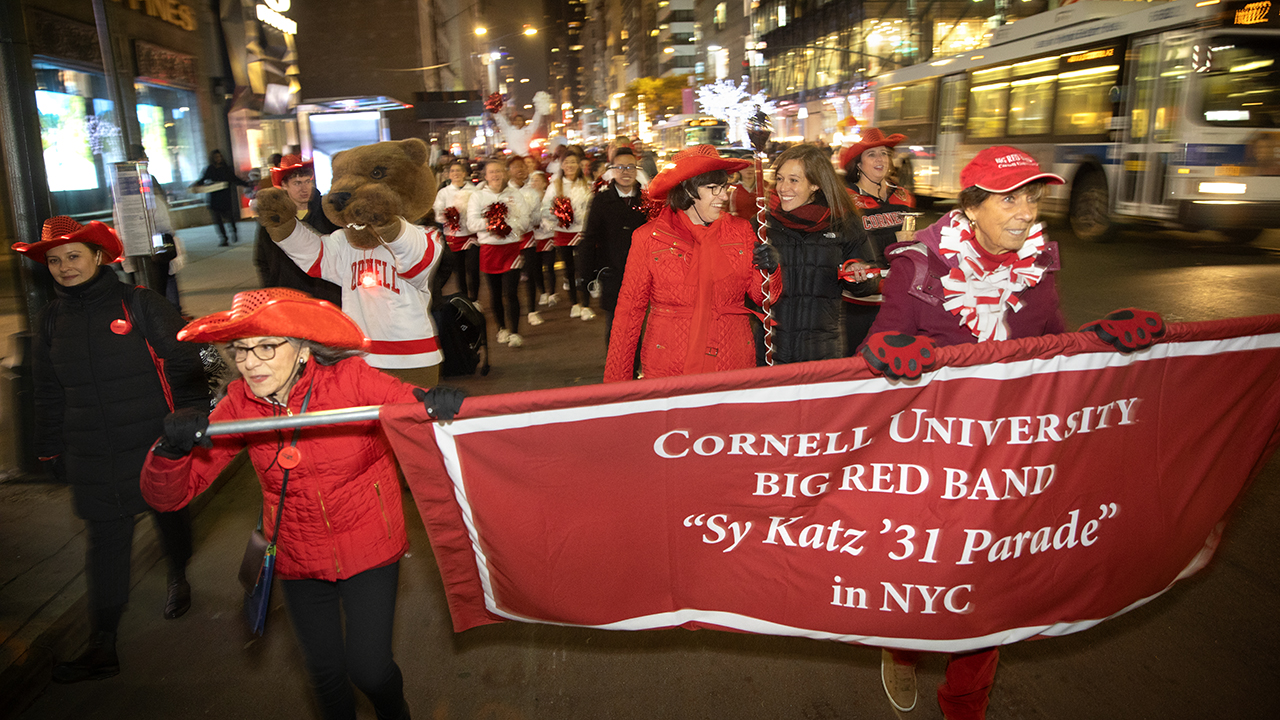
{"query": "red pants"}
(970, 676)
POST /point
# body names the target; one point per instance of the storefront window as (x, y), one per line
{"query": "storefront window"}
(170, 133)
(81, 137)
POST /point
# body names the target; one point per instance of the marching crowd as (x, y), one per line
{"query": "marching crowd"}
(671, 255)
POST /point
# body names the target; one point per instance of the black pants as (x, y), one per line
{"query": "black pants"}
(468, 270)
(504, 293)
(533, 269)
(367, 601)
(577, 296)
(107, 561)
(221, 215)
(857, 322)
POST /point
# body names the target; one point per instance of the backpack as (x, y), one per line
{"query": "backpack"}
(461, 328)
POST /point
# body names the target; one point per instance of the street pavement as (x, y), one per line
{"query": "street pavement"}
(1206, 649)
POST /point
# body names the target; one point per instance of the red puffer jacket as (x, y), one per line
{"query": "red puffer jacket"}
(660, 278)
(342, 512)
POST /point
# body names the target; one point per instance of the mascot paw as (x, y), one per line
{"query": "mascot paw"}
(898, 356)
(275, 208)
(1128, 329)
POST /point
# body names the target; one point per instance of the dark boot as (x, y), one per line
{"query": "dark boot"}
(179, 600)
(97, 662)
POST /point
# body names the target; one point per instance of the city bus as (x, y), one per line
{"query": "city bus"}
(1160, 113)
(681, 131)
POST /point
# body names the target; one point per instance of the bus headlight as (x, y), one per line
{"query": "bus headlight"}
(1223, 188)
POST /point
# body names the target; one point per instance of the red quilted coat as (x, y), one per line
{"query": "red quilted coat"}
(662, 277)
(342, 513)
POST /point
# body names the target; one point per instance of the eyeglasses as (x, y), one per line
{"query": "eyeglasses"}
(716, 189)
(623, 168)
(265, 351)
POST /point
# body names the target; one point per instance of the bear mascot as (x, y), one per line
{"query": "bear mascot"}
(383, 262)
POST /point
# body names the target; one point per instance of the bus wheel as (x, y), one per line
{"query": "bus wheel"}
(1090, 206)
(1242, 236)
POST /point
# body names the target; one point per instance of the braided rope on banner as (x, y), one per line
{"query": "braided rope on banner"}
(762, 234)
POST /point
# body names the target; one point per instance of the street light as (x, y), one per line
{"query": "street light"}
(482, 30)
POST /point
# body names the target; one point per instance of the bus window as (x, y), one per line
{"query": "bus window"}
(1242, 85)
(888, 105)
(917, 103)
(988, 102)
(1173, 80)
(1144, 85)
(1031, 105)
(1084, 105)
(954, 99)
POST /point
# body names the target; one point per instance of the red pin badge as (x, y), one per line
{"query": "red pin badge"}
(121, 326)
(289, 458)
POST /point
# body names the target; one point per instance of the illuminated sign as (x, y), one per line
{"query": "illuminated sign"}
(275, 19)
(1254, 13)
(1091, 55)
(170, 11)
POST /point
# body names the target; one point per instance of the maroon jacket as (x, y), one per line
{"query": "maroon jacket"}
(913, 294)
(342, 512)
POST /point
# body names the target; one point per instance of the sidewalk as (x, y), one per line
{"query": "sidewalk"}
(43, 613)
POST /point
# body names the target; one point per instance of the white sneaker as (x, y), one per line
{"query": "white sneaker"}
(514, 340)
(503, 335)
(553, 300)
(544, 299)
(587, 314)
(535, 318)
(576, 311)
(899, 682)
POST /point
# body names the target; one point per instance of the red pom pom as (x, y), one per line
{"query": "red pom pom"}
(562, 208)
(493, 104)
(453, 220)
(649, 206)
(496, 217)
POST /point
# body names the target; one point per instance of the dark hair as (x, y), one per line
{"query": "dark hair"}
(818, 171)
(623, 150)
(682, 196)
(515, 159)
(973, 196)
(274, 159)
(300, 170)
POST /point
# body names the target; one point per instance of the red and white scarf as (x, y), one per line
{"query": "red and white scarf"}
(982, 289)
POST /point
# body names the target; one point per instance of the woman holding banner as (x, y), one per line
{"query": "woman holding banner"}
(690, 269)
(340, 535)
(983, 272)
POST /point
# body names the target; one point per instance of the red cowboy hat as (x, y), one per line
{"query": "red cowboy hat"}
(278, 312)
(690, 163)
(289, 164)
(61, 230)
(871, 138)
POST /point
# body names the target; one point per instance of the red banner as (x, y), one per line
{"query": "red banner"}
(1025, 488)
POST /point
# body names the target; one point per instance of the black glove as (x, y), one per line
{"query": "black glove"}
(55, 467)
(898, 356)
(766, 257)
(1129, 329)
(442, 402)
(183, 430)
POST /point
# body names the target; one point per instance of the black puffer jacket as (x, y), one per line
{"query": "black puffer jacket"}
(98, 396)
(808, 313)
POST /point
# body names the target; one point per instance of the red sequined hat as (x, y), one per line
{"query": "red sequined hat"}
(278, 312)
(690, 163)
(61, 230)
(289, 164)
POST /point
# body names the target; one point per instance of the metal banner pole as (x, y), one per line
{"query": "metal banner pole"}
(288, 422)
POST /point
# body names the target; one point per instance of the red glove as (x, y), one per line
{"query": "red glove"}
(1128, 329)
(898, 356)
